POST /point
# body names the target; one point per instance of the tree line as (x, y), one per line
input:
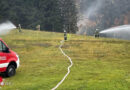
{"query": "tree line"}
(51, 15)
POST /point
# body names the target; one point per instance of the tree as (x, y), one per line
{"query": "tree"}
(69, 15)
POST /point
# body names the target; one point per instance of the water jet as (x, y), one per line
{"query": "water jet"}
(119, 32)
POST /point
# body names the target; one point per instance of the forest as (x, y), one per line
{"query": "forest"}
(59, 15)
(51, 15)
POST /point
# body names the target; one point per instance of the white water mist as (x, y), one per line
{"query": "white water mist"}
(120, 32)
(83, 22)
(6, 27)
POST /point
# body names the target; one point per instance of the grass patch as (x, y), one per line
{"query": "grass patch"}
(99, 64)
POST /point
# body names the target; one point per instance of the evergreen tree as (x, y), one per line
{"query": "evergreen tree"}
(69, 15)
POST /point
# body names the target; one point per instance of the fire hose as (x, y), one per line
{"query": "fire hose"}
(60, 47)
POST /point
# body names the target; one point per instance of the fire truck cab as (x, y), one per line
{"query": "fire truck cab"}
(9, 60)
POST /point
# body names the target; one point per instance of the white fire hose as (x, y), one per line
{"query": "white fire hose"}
(62, 42)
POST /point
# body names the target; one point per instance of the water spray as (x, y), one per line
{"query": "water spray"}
(6, 27)
(85, 15)
(120, 32)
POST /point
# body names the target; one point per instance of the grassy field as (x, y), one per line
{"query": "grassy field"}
(99, 64)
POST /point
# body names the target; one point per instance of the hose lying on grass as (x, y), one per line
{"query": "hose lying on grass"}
(60, 47)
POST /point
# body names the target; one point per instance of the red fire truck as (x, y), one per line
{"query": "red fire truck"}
(9, 60)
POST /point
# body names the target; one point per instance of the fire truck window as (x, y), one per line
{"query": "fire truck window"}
(0, 46)
(3, 47)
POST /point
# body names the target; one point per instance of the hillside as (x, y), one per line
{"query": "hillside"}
(99, 64)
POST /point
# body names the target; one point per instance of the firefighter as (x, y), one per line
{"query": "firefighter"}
(97, 33)
(65, 35)
(19, 28)
(38, 27)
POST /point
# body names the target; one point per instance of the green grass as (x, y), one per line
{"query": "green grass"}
(99, 64)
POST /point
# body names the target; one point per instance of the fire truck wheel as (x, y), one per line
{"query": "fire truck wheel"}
(10, 71)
